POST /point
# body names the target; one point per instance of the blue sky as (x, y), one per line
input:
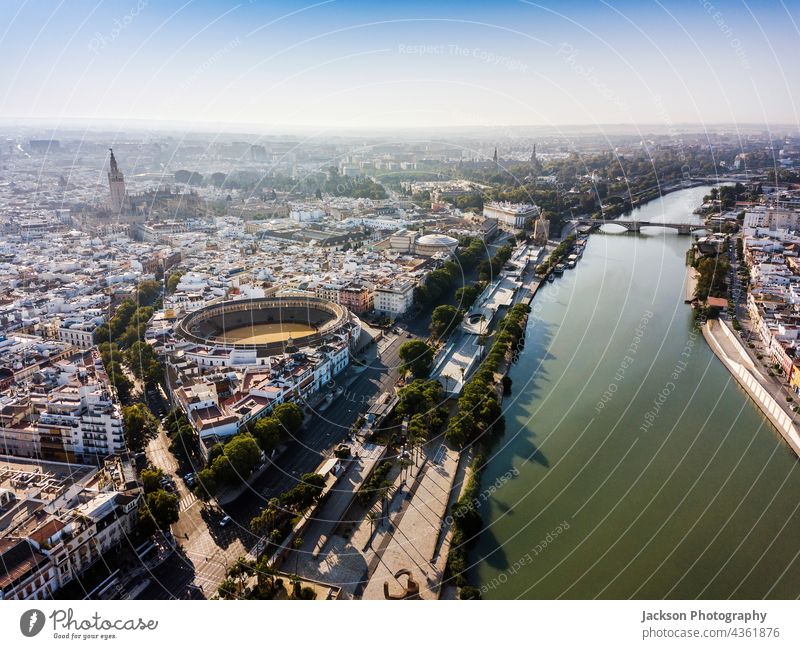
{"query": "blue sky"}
(347, 63)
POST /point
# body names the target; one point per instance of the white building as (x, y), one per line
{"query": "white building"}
(511, 215)
(394, 299)
(80, 334)
(81, 423)
(770, 218)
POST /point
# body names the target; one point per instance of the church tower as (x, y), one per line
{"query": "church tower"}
(116, 184)
(495, 158)
(541, 230)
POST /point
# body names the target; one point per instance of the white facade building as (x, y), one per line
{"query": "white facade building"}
(395, 299)
(511, 215)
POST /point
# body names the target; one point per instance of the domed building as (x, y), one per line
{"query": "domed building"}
(430, 244)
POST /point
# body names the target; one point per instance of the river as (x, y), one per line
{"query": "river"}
(633, 466)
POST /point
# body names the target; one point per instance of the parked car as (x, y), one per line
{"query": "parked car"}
(224, 521)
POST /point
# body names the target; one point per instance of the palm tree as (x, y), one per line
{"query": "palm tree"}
(297, 544)
(404, 464)
(371, 517)
(265, 575)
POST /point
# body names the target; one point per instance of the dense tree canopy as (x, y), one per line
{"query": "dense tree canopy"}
(417, 358)
(444, 319)
(140, 426)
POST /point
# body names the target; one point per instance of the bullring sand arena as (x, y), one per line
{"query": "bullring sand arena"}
(266, 324)
(265, 333)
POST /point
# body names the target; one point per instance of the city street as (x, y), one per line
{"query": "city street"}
(204, 557)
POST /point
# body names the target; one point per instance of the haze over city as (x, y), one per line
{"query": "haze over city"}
(340, 63)
(447, 301)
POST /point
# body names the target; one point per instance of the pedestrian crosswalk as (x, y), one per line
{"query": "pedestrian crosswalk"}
(187, 501)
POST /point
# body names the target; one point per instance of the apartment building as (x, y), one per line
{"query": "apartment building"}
(65, 412)
(393, 300)
(57, 523)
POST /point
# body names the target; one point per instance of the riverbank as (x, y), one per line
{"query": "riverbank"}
(674, 487)
(734, 357)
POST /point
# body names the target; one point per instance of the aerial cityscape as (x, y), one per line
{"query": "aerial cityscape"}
(429, 301)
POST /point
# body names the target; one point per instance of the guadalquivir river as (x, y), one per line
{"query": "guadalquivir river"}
(675, 486)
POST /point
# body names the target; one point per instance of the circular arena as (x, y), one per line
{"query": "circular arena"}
(265, 324)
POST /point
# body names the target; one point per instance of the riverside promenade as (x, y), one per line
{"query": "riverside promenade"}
(729, 350)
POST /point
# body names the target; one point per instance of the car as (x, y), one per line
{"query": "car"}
(224, 521)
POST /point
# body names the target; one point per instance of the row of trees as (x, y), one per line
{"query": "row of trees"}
(712, 279)
(466, 295)
(160, 508)
(479, 411)
(232, 463)
(556, 256)
(229, 464)
(240, 583)
(275, 521)
(439, 284)
(121, 339)
(441, 281)
(183, 442)
(490, 268)
(423, 403)
(140, 426)
(479, 417)
(283, 422)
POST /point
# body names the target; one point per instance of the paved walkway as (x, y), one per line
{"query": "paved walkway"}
(762, 390)
(417, 525)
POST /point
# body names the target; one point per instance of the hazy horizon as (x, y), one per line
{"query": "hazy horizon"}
(347, 64)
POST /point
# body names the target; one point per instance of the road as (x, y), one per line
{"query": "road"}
(209, 550)
(326, 428)
(206, 549)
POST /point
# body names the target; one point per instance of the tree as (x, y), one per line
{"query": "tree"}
(371, 517)
(268, 432)
(144, 363)
(207, 484)
(184, 443)
(173, 280)
(121, 384)
(239, 458)
(140, 426)
(161, 507)
(297, 544)
(419, 397)
(444, 319)
(148, 291)
(290, 416)
(151, 479)
(304, 493)
(711, 282)
(417, 358)
(467, 295)
(265, 521)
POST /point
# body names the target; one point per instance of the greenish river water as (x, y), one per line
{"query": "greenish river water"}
(642, 469)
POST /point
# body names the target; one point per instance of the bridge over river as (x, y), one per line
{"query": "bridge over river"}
(636, 226)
